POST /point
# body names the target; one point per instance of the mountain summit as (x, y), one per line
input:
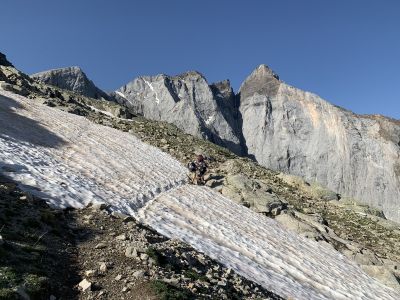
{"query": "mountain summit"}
(262, 80)
(189, 102)
(72, 79)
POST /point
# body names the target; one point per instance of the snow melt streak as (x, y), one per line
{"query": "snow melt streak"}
(93, 163)
(258, 247)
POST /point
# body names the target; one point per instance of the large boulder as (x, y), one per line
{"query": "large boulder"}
(253, 193)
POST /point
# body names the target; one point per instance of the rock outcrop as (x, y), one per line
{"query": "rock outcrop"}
(187, 101)
(297, 132)
(71, 79)
(4, 61)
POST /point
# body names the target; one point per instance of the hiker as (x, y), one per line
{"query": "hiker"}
(198, 168)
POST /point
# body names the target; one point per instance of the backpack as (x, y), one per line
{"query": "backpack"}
(202, 168)
(192, 167)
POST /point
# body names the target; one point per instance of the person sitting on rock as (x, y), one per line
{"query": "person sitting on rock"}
(198, 168)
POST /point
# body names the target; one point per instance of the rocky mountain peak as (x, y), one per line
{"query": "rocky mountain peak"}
(71, 79)
(222, 89)
(263, 80)
(264, 69)
(4, 61)
(74, 69)
(191, 75)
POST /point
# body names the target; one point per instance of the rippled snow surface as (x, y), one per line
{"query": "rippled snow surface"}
(70, 161)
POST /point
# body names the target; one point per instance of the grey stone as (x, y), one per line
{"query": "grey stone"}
(85, 285)
(221, 283)
(173, 281)
(139, 273)
(131, 251)
(71, 79)
(144, 256)
(229, 192)
(367, 257)
(299, 226)
(118, 277)
(100, 246)
(121, 237)
(14, 88)
(124, 217)
(90, 273)
(99, 206)
(252, 193)
(103, 267)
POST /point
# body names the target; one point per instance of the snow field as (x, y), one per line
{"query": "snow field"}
(258, 248)
(70, 161)
(89, 163)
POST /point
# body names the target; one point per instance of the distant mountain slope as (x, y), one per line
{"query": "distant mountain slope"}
(297, 132)
(65, 159)
(189, 102)
(72, 79)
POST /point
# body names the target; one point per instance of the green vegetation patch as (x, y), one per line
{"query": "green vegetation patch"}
(192, 274)
(157, 256)
(167, 291)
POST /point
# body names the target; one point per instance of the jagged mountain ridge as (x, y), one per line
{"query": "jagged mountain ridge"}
(72, 79)
(189, 102)
(283, 128)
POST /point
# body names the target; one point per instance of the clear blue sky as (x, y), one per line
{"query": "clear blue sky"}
(347, 51)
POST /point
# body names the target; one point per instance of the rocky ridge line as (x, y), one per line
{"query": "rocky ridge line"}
(72, 79)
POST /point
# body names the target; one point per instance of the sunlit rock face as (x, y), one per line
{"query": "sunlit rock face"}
(297, 132)
(187, 101)
(71, 79)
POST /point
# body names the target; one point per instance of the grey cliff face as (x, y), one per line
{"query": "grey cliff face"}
(187, 101)
(299, 133)
(71, 79)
